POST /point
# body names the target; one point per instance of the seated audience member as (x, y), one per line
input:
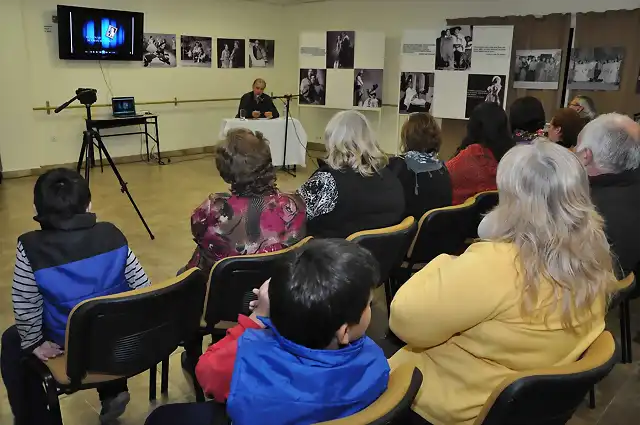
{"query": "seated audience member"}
(72, 259)
(609, 148)
(353, 190)
(424, 177)
(255, 217)
(564, 128)
(584, 106)
(532, 295)
(301, 357)
(473, 169)
(527, 119)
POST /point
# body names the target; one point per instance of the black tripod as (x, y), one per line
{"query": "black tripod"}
(90, 140)
(291, 170)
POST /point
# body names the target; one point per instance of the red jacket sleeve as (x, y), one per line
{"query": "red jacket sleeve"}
(215, 366)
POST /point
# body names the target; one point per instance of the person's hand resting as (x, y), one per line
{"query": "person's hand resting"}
(260, 307)
(268, 115)
(255, 114)
(47, 350)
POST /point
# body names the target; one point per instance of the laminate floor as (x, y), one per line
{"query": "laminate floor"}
(166, 195)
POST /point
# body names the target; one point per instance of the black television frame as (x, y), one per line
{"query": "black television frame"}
(64, 36)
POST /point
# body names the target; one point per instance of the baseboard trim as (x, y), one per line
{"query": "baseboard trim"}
(205, 150)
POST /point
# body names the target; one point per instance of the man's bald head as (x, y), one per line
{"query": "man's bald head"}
(610, 144)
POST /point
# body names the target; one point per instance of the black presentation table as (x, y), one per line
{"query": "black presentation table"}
(98, 124)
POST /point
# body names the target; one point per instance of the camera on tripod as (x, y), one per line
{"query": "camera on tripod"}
(91, 140)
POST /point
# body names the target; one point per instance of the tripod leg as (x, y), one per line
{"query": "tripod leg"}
(82, 153)
(123, 184)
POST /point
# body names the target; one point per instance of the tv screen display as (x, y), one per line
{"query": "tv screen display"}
(90, 34)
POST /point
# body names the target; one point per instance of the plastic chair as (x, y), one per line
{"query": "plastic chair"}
(122, 335)
(389, 245)
(404, 383)
(549, 396)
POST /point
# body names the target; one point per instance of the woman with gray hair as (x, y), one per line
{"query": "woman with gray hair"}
(352, 190)
(532, 295)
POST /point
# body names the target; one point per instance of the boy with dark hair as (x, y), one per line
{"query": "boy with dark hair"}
(301, 357)
(71, 259)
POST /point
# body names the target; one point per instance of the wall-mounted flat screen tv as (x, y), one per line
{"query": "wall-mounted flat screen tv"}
(90, 34)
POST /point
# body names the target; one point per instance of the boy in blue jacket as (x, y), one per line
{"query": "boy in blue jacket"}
(71, 259)
(303, 358)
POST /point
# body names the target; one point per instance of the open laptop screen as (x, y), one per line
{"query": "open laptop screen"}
(123, 106)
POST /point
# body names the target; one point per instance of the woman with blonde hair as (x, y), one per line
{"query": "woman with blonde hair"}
(352, 190)
(532, 295)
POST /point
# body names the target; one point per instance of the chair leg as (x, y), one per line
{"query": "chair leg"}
(193, 351)
(153, 374)
(627, 320)
(592, 398)
(52, 398)
(625, 333)
(164, 379)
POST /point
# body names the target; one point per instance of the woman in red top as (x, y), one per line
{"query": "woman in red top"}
(473, 169)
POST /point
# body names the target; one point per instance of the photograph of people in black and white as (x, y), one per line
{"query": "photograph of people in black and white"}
(261, 53)
(340, 49)
(195, 51)
(416, 92)
(537, 69)
(230, 53)
(596, 68)
(313, 83)
(453, 48)
(159, 51)
(484, 88)
(367, 88)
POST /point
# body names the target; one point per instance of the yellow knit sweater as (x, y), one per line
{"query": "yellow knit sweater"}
(461, 319)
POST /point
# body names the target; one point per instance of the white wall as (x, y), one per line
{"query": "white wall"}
(393, 17)
(31, 74)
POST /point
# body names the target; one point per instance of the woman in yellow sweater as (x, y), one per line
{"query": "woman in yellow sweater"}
(532, 295)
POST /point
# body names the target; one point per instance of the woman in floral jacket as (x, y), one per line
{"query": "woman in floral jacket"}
(255, 217)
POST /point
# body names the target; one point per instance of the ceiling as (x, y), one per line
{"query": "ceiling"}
(295, 2)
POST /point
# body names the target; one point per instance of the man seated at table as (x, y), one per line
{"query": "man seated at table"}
(258, 104)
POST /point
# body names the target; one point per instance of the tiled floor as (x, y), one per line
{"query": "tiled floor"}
(166, 196)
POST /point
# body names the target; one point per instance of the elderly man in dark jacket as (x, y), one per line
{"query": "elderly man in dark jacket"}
(609, 147)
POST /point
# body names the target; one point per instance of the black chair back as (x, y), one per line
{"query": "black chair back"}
(484, 202)
(551, 396)
(232, 280)
(126, 334)
(442, 231)
(389, 245)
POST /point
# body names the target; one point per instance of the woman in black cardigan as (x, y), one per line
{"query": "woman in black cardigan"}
(424, 177)
(353, 190)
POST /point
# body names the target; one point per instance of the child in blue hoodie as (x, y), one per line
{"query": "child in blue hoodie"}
(302, 357)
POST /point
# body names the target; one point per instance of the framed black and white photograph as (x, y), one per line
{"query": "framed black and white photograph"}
(159, 50)
(367, 88)
(416, 92)
(537, 69)
(484, 88)
(261, 53)
(231, 53)
(341, 49)
(195, 51)
(596, 68)
(313, 84)
(454, 47)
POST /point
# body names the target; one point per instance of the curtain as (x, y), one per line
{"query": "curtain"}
(613, 29)
(529, 32)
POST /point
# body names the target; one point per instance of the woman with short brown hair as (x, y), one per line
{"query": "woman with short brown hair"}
(565, 126)
(255, 217)
(424, 177)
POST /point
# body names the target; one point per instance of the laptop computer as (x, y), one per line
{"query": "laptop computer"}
(123, 107)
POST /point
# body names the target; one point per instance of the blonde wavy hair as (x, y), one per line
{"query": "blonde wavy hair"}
(545, 209)
(351, 143)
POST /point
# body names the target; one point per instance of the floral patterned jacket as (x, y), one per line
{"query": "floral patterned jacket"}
(227, 225)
